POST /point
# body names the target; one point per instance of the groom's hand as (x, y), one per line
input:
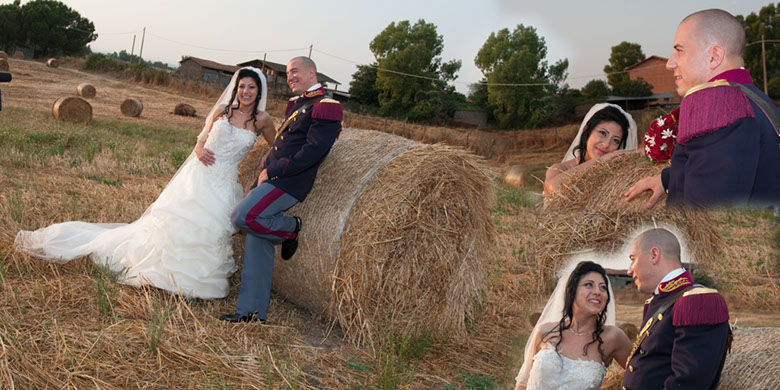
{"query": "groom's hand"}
(652, 183)
(263, 177)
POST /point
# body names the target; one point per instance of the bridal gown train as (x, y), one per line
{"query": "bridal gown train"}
(181, 243)
(554, 371)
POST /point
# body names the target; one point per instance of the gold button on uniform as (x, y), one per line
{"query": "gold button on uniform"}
(660, 317)
(275, 148)
(282, 137)
(631, 368)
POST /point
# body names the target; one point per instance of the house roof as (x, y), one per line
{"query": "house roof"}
(648, 59)
(212, 65)
(282, 69)
(650, 97)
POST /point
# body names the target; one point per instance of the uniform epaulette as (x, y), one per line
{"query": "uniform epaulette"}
(294, 98)
(711, 106)
(700, 306)
(290, 103)
(647, 304)
(328, 109)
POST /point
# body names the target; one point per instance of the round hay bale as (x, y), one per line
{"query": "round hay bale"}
(19, 55)
(87, 91)
(184, 109)
(629, 329)
(72, 109)
(754, 361)
(132, 107)
(394, 235)
(590, 212)
(53, 63)
(514, 176)
(4, 67)
(3, 55)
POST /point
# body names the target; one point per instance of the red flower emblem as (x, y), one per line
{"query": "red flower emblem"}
(661, 137)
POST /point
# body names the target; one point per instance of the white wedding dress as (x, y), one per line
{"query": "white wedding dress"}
(551, 371)
(181, 243)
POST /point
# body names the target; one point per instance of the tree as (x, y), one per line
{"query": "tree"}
(595, 89)
(10, 27)
(635, 87)
(413, 50)
(478, 94)
(519, 57)
(766, 23)
(52, 28)
(363, 85)
(623, 55)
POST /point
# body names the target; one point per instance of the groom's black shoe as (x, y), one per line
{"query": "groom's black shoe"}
(290, 246)
(235, 317)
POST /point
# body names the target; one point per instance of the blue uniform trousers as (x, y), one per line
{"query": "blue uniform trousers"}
(259, 214)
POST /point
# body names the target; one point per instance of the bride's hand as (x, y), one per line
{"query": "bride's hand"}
(615, 154)
(206, 156)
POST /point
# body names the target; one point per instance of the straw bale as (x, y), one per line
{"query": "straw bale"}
(87, 91)
(514, 176)
(53, 63)
(3, 55)
(19, 55)
(72, 109)
(590, 212)
(394, 235)
(754, 361)
(132, 107)
(184, 109)
(4, 67)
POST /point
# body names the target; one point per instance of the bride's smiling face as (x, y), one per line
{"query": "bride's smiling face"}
(247, 92)
(591, 296)
(604, 138)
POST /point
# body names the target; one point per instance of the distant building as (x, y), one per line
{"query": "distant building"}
(276, 74)
(207, 71)
(653, 70)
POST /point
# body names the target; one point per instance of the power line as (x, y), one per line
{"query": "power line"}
(224, 50)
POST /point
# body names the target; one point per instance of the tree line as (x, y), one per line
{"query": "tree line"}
(47, 27)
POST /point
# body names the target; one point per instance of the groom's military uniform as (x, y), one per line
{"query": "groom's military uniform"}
(728, 148)
(683, 342)
(311, 126)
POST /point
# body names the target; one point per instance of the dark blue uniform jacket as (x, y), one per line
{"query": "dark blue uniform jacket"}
(300, 148)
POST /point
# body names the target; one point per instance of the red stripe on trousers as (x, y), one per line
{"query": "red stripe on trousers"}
(254, 212)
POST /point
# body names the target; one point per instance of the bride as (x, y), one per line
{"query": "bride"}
(182, 242)
(606, 132)
(575, 340)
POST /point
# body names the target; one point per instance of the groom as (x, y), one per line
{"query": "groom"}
(303, 140)
(686, 333)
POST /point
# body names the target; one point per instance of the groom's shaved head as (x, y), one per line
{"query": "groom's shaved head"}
(718, 27)
(306, 62)
(662, 239)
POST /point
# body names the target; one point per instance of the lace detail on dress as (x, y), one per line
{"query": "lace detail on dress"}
(552, 370)
(230, 144)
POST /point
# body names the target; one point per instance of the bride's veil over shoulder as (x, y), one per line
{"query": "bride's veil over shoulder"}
(553, 310)
(631, 141)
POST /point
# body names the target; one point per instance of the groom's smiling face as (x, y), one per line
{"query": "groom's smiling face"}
(641, 268)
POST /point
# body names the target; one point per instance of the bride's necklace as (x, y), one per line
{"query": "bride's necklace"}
(245, 113)
(580, 334)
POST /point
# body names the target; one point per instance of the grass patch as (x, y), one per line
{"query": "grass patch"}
(157, 326)
(512, 200)
(105, 291)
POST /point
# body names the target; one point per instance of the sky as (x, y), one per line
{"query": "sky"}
(339, 31)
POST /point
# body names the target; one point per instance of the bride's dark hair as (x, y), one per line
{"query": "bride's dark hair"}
(581, 270)
(606, 114)
(242, 73)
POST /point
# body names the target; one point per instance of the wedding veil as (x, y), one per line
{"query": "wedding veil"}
(631, 141)
(553, 311)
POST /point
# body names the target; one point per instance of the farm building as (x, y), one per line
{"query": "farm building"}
(653, 70)
(207, 71)
(276, 74)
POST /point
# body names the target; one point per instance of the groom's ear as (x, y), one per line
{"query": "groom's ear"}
(655, 255)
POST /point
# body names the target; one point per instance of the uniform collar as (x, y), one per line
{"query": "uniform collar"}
(314, 91)
(674, 281)
(739, 75)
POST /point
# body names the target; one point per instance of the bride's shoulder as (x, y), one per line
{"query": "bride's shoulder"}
(613, 333)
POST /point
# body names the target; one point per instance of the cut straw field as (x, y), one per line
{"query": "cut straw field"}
(72, 326)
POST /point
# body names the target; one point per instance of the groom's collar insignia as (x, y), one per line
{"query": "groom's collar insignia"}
(685, 279)
(317, 92)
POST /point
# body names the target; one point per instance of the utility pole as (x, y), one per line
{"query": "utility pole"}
(763, 59)
(141, 53)
(132, 49)
(310, 47)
